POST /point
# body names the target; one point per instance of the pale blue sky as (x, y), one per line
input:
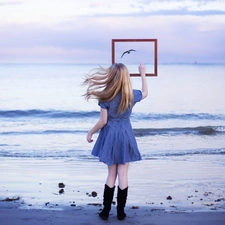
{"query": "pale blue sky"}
(80, 31)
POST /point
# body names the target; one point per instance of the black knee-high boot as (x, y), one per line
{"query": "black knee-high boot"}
(107, 202)
(121, 202)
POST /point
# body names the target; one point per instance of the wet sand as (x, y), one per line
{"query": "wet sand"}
(188, 190)
(87, 215)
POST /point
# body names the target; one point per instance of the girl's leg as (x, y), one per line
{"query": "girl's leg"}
(112, 174)
(123, 175)
(122, 190)
(109, 191)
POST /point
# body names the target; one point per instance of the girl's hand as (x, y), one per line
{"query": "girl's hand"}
(89, 137)
(142, 69)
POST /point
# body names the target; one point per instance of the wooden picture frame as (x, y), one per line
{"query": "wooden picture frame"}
(155, 55)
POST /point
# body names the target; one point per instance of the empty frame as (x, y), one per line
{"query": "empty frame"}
(133, 51)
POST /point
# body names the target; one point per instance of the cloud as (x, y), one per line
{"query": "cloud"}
(184, 11)
(164, 12)
(10, 3)
(185, 34)
(178, 1)
(177, 7)
(89, 39)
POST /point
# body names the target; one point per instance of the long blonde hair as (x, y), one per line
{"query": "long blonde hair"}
(105, 83)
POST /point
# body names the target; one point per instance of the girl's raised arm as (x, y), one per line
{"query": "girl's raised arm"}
(142, 71)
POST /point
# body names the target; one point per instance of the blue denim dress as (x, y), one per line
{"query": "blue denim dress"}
(116, 143)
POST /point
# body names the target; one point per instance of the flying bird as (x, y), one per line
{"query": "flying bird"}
(128, 52)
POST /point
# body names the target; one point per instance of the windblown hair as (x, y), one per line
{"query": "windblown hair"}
(105, 83)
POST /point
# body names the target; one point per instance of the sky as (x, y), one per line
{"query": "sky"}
(80, 31)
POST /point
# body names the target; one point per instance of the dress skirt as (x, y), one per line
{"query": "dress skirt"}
(116, 143)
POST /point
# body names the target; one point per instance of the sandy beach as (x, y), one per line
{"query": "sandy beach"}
(163, 194)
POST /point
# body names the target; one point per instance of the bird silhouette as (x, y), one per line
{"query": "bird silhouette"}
(128, 52)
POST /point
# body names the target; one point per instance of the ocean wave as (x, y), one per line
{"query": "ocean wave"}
(78, 154)
(47, 113)
(202, 130)
(176, 116)
(139, 132)
(41, 132)
(95, 114)
(85, 154)
(189, 152)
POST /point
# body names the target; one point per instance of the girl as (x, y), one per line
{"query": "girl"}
(116, 145)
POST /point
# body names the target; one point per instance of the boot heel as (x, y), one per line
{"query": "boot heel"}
(104, 214)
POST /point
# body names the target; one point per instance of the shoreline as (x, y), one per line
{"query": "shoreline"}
(11, 214)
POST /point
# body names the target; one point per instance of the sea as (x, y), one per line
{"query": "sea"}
(44, 115)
